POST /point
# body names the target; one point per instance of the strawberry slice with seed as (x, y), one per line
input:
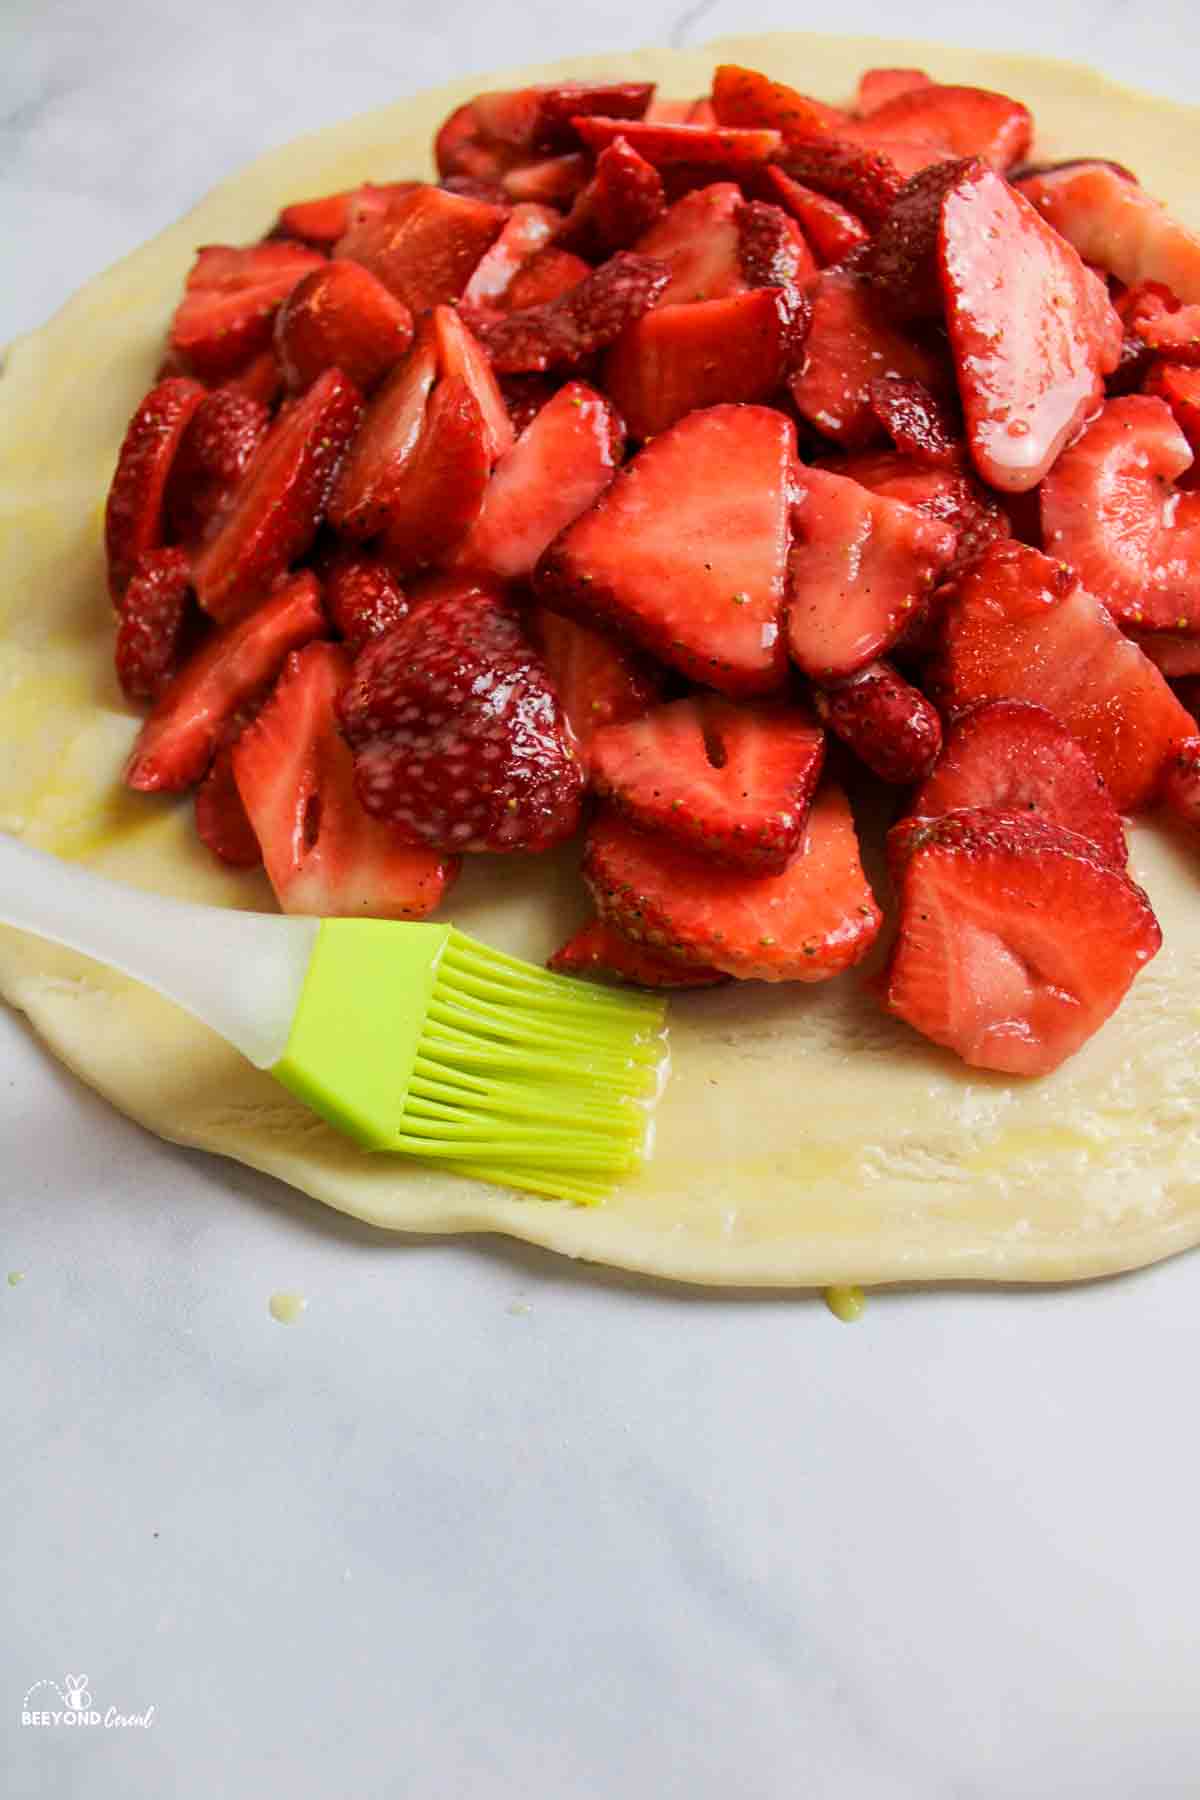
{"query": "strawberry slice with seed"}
(386, 442)
(222, 822)
(341, 317)
(1179, 386)
(1015, 941)
(695, 145)
(133, 519)
(221, 441)
(1111, 509)
(425, 247)
(919, 424)
(954, 495)
(275, 511)
(743, 97)
(260, 379)
(686, 551)
(623, 200)
(230, 300)
(859, 177)
(555, 181)
(538, 119)
(1032, 330)
(877, 86)
(321, 222)
(557, 468)
(958, 121)
(699, 241)
(772, 249)
(596, 949)
(562, 332)
(861, 565)
(178, 740)
(528, 229)
(1017, 626)
(1170, 330)
(850, 344)
(1116, 226)
(459, 738)
(1179, 793)
(362, 596)
(461, 355)
(888, 723)
(1017, 757)
(546, 276)
(438, 497)
(152, 629)
(599, 681)
(832, 230)
(733, 783)
(811, 922)
(902, 262)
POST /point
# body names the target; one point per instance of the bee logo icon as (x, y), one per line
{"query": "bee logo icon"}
(77, 1696)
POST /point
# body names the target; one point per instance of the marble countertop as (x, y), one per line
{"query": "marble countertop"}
(484, 1523)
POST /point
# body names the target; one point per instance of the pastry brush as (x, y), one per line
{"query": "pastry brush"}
(410, 1038)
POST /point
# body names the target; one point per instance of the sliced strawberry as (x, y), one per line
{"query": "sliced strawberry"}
(545, 277)
(581, 321)
(133, 519)
(462, 153)
(831, 229)
(275, 511)
(744, 97)
(473, 187)
(958, 121)
(919, 424)
(599, 681)
(956, 496)
(1117, 227)
(556, 181)
(260, 379)
(1015, 941)
(733, 783)
(814, 920)
(457, 732)
(1177, 656)
(177, 742)
(877, 86)
(559, 465)
(850, 344)
(525, 396)
(1179, 792)
(686, 551)
(527, 230)
(860, 566)
(221, 820)
(426, 245)
(1109, 507)
(1169, 329)
(695, 145)
(596, 949)
(699, 241)
(621, 201)
(1180, 388)
(438, 496)
(902, 262)
(771, 247)
(152, 627)
(888, 723)
(387, 439)
(230, 301)
(1018, 757)
(321, 222)
(1032, 330)
(538, 119)
(859, 177)
(461, 354)
(1018, 626)
(341, 317)
(678, 358)
(217, 448)
(362, 596)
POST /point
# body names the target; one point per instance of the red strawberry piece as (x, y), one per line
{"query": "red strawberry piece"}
(324, 855)
(362, 596)
(387, 440)
(1117, 227)
(555, 181)
(864, 180)
(458, 735)
(596, 949)
(961, 121)
(341, 317)
(525, 396)
(586, 318)
(1166, 327)
(1180, 388)
(559, 465)
(462, 153)
(699, 241)
(221, 440)
(438, 496)
(734, 783)
(460, 354)
(809, 923)
(695, 145)
(955, 496)
(153, 622)
(888, 723)
(1018, 626)
(877, 86)
(527, 230)
(860, 566)
(1179, 793)
(678, 358)
(179, 738)
(260, 379)
(1032, 330)
(472, 187)
(539, 119)
(621, 201)
(323, 221)
(1109, 507)
(902, 262)
(744, 97)
(274, 513)
(425, 247)
(1018, 757)
(1177, 656)
(230, 301)
(772, 248)
(1015, 941)
(221, 819)
(599, 680)
(133, 519)
(545, 277)
(919, 424)
(686, 551)
(832, 231)
(850, 344)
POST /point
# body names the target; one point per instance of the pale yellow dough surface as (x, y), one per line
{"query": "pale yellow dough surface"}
(804, 1138)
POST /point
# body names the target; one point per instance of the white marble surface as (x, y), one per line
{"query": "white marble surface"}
(483, 1523)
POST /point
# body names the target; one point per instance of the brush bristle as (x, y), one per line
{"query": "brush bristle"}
(532, 1080)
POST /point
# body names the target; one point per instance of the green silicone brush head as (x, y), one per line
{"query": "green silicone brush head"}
(417, 1039)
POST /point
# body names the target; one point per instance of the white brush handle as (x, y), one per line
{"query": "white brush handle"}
(239, 972)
